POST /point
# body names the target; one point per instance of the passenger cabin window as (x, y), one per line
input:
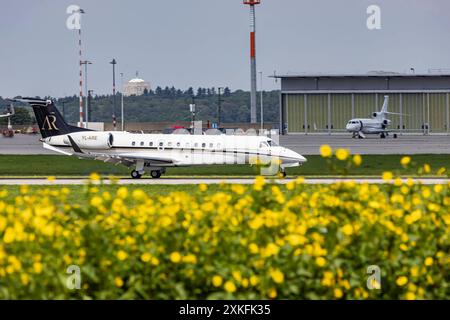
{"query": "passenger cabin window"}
(142, 143)
(203, 145)
(211, 145)
(196, 145)
(161, 144)
(150, 144)
(170, 144)
(178, 144)
(133, 143)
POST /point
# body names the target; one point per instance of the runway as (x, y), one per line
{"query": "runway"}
(23, 144)
(183, 181)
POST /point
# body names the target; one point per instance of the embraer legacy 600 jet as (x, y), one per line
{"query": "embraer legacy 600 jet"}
(153, 153)
(378, 124)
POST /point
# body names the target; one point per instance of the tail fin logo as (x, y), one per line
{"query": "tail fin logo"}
(50, 122)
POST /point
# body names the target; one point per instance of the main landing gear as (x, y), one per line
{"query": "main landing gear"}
(384, 135)
(135, 174)
(155, 174)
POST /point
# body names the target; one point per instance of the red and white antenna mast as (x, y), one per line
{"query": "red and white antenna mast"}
(252, 4)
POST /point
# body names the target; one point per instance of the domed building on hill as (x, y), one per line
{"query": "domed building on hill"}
(135, 87)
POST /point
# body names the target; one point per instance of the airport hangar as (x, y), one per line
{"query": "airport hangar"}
(325, 103)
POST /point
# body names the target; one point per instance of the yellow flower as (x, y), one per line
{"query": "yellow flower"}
(51, 178)
(25, 279)
(94, 176)
(122, 192)
(357, 160)
(254, 280)
(321, 261)
(237, 188)
(342, 154)
(415, 271)
(272, 293)
(401, 281)
(410, 296)
(326, 151)
(387, 176)
(217, 281)
(190, 258)
(259, 183)
(428, 261)
(9, 235)
(175, 257)
(122, 255)
(426, 168)
(347, 230)
(338, 293)
(405, 161)
(139, 195)
(118, 282)
(203, 187)
(37, 267)
(96, 201)
(277, 276)
(253, 248)
(146, 257)
(230, 287)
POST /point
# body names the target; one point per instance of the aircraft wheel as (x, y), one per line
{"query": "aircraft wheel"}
(156, 174)
(283, 174)
(382, 136)
(395, 136)
(135, 174)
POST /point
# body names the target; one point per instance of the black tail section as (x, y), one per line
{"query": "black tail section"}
(50, 121)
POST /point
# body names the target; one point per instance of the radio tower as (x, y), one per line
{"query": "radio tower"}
(252, 4)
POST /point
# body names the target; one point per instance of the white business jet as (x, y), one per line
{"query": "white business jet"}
(153, 153)
(378, 124)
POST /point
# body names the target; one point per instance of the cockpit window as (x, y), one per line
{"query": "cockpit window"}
(264, 145)
(272, 143)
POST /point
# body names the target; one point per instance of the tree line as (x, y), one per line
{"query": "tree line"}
(163, 104)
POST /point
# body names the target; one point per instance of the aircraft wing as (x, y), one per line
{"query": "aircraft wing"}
(127, 159)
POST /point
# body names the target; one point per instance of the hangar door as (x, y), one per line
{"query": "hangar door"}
(317, 107)
(341, 111)
(295, 112)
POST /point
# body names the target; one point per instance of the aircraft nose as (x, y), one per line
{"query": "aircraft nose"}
(294, 155)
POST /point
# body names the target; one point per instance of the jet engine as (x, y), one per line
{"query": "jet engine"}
(93, 140)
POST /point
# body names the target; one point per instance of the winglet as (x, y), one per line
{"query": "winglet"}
(75, 147)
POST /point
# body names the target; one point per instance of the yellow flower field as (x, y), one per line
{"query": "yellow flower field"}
(247, 242)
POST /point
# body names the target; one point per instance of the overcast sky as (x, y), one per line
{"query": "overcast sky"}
(205, 42)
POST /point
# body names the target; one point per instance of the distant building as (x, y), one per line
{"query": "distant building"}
(135, 87)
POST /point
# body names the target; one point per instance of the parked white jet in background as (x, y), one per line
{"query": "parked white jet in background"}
(155, 152)
(378, 124)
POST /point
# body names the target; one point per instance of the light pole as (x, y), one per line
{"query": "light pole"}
(219, 107)
(80, 11)
(121, 96)
(114, 62)
(192, 109)
(90, 92)
(86, 63)
(262, 101)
